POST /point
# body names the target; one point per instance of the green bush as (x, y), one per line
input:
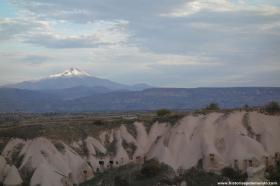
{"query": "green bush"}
(131, 129)
(195, 177)
(119, 181)
(131, 174)
(272, 107)
(233, 175)
(273, 173)
(151, 168)
(129, 147)
(163, 112)
(112, 147)
(171, 118)
(59, 146)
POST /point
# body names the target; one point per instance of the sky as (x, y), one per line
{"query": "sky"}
(168, 43)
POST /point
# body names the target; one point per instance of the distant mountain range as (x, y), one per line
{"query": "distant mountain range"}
(76, 91)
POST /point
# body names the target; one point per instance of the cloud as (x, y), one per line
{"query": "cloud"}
(55, 40)
(193, 7)
(43, 33)
(11, 28)
(134, 54)
(162, 42)
(147, 29)
(35, 59)
(25, 57)
(90, 10)
(184, 60)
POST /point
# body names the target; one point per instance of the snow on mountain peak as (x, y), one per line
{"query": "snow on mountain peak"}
(70, 73)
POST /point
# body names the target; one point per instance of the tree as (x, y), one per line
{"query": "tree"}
(272, 107)
(213, 106)
(163, 112)
(246, 107)
(99, 122)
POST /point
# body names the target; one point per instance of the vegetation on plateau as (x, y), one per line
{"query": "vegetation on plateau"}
(272, 107)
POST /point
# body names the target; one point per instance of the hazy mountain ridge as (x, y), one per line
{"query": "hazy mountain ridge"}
(75, 90)
(12, 100)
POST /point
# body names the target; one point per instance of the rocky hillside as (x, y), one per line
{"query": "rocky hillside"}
(247, 141)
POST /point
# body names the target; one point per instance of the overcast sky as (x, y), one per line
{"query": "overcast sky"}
(172, 43)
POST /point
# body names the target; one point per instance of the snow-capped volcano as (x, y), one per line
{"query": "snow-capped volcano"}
(70, 73)
(75, 78)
